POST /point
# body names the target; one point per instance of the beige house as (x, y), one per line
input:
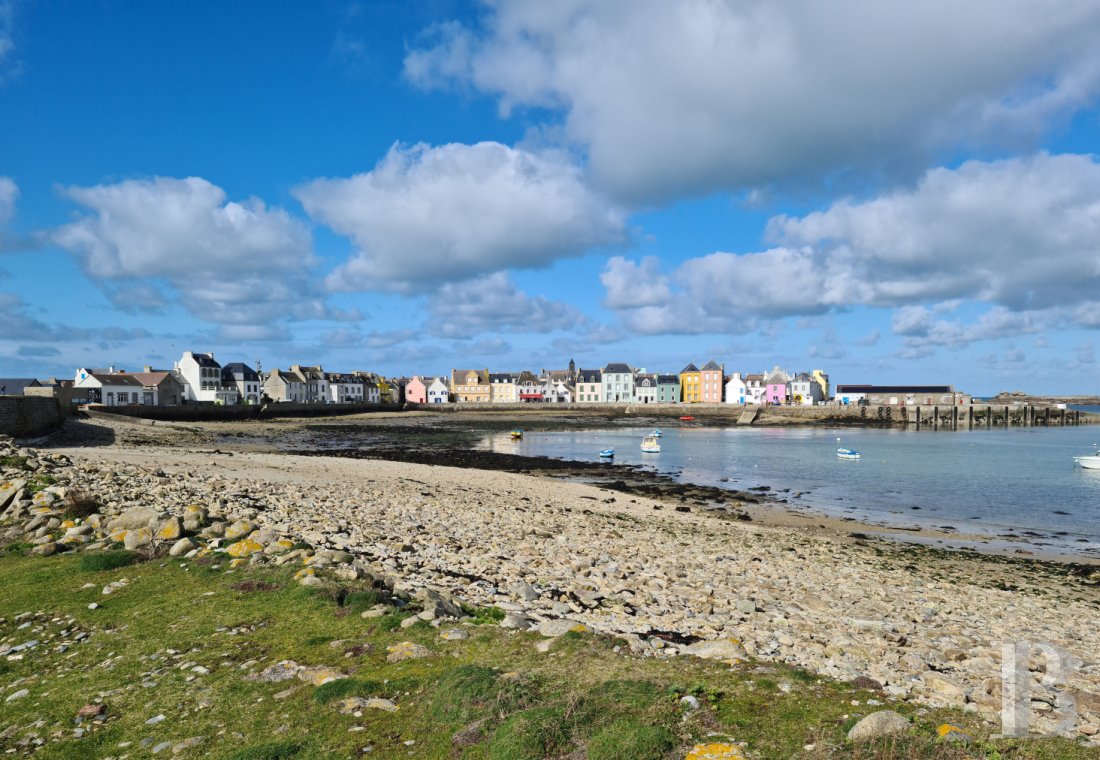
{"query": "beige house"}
(471, 386)
(502, 388)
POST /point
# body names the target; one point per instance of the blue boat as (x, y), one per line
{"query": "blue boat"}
(847, 453)
(607, 454)
(657, 433)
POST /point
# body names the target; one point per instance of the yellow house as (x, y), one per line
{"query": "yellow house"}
(821, 379)
(690, 384)
(470, 386)
(385, 391)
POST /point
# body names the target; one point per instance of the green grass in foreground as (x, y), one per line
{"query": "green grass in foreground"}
(489, 696)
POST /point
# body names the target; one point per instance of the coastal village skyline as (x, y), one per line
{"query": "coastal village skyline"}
(199, 378)
(486, 184)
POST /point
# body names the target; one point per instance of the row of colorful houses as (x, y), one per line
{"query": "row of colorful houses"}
(199, 378)
(619, 383)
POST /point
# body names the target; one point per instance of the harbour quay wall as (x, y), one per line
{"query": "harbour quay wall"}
(963, 416)
(29, 416)
(776, 414)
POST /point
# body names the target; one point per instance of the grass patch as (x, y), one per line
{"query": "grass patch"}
(580, 700)
(627, 739)
(484, 615)
(361, 601)
(346, 687)
(112, 560)
(15, 462)
(531, 734)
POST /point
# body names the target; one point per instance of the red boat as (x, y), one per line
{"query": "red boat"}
(687, 419)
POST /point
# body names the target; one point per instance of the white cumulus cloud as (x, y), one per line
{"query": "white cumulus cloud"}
(426, 215)
(493, 303)
(239, 264)
(1022, 235)
(674, 98)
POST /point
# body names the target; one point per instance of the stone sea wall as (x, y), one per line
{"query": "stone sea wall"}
(27, 416)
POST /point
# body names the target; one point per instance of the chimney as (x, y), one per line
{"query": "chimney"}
(147, 368)
(111, 369)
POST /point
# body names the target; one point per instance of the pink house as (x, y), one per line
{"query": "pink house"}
(777, 389)
(711, 382)
(416, 392)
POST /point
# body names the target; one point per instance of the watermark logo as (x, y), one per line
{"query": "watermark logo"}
(1016, 687)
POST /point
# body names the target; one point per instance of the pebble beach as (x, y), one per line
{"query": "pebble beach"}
(924, 626)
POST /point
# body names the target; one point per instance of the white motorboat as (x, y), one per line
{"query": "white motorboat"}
(1089, 462)
(607, 454)
(847, 453)
(650, 445)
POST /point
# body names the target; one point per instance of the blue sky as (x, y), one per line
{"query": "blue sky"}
(889, 194)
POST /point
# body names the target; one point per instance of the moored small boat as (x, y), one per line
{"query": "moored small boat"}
(607, 454)
(847, 453)
(687, 418)
(650, 445)
(657, 433)
(517, 433)
(1090, 462)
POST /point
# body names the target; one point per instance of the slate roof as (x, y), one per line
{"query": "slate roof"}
(204, 360)
(589, 376)
(239, 371)
(895, 389)
(117, 379)
(668, 379)
(712, 366)
(502, 377)
(13, 386)
(617, 368)
(689, 368)
(648, 380)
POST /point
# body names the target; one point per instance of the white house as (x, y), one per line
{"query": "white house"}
(371, 394)
(754, 389)
(805, 390)
(645, 388)
(557, 392)
(315, 382)
(735, 389)
(438, 392)
(245, 379)
(345, 389)
(113, 389)
(202, 379)
(618, 383)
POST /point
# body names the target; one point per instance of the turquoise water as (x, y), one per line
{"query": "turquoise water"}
(994, 482)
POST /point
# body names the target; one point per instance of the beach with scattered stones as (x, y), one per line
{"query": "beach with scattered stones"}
(920, 625)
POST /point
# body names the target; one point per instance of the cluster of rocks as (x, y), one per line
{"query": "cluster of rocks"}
(556, 555)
